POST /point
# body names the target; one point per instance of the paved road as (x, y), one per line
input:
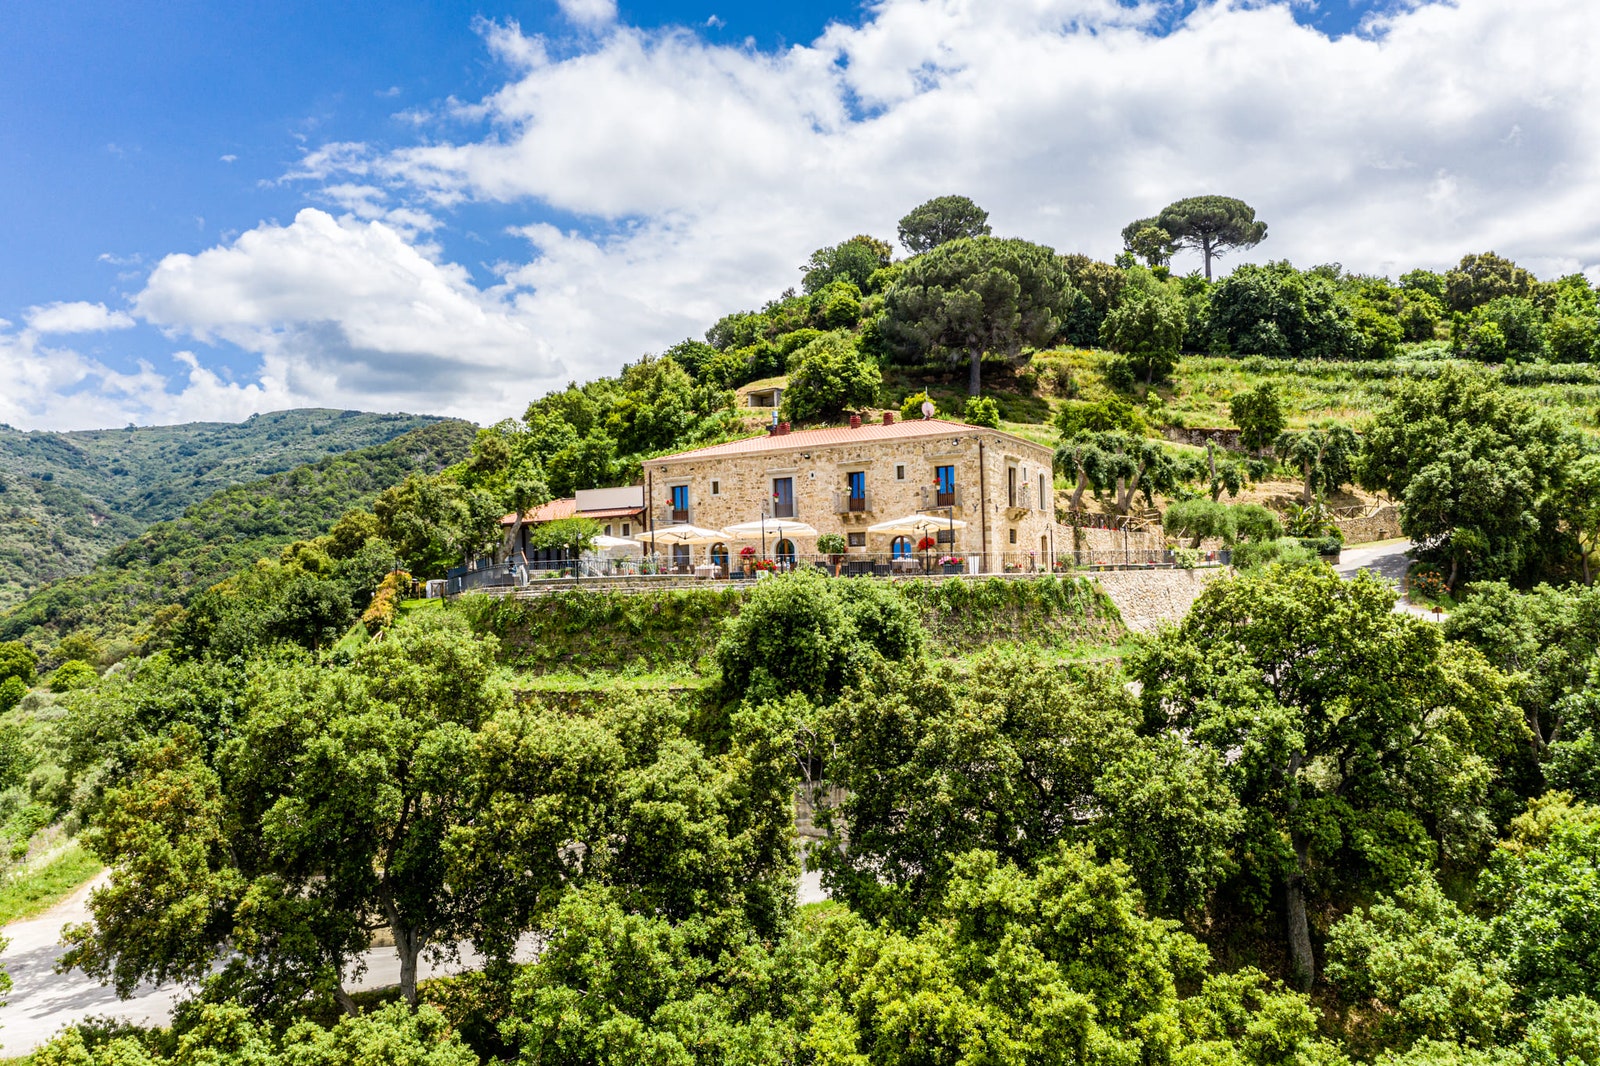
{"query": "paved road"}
(43, 1001)
(1387, 559)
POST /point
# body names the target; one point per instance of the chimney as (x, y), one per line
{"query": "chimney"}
(888, 418)
(855, 421)
(783, 429)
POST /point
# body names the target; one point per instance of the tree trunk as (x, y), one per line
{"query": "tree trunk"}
(975, 372)
(1302, 964)
(408, 946)
(1077, 492)
(346, 1003)
(1205, 250)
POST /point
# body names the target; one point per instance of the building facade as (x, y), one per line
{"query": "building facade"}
(845, 479)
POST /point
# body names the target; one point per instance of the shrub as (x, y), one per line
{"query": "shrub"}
(12, 689)
(829, 376)
(73, 675)
(911, 406)
(831, 544)
(982, 411)
(1266, 552)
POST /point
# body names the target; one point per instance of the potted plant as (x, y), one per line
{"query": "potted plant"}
(764, 566)
(925, 545)
(950, 564)
(833, 546)
(747, 558)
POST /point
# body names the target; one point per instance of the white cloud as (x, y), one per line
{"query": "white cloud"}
(713, 171)
(76, 317)
(589, 12)
(343, 311)
(50, 387)
(706, 174)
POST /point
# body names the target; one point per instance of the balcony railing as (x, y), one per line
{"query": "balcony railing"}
(783, 510)
(932, 497)
(844, 503)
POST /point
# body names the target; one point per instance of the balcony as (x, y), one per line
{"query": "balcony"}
(674, 516)
(783, 510)
(844, 503)
(680, 516)
(931, 497)
(1019, 503)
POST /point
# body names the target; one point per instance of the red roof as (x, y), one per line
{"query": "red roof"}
(549, 512)
(816, 438)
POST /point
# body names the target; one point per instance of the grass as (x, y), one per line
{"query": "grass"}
(31, 892)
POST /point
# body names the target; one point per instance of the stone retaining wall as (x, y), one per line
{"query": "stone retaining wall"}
(1147, 598)
(1383, 524)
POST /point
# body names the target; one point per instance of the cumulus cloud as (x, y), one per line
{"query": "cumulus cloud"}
(703, 175)
(53, 387)
(710, 172)
(76, 317)
(342, 310)
(589, 12)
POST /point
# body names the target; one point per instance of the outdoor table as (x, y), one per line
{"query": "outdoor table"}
(707, 570)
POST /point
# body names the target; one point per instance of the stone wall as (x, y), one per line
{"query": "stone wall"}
(728, 488)
(1147, 598)
(1198, 436)
(1382, 524)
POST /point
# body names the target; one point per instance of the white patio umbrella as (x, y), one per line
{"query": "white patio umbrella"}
(604, 542)
(917, 525)
(682, 534)
(762, 528)
(769, 527)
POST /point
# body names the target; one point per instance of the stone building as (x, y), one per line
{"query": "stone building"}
(846, 479)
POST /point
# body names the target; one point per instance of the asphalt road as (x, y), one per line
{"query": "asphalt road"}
(1387, 559)
(42, 1001)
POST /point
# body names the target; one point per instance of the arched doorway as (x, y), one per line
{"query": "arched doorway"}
(784, 554)
(900, 548)
(719, 557)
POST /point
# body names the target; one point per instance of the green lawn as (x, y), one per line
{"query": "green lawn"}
(30, 892)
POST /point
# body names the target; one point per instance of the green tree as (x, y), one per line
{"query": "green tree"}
(828, 377)
(1200, 519)
(1326, 456)
(1479, 474)
(1477, 279)
(1146, 325)
(1546, 896)
(1147, 240)
(1507, 327)
(18, 660)
(1113, 414)
(589, 463)
(323, 820)
(573, 535)
(854, 260)
(1060, 964)
(72, 675)
(12, 691)
(1426, 966)
(434, 523)
(1211, 225)
(978, 295)
(803, 634)
(1290, 672)
(940, 221)
(982, 411)
(1280, 312)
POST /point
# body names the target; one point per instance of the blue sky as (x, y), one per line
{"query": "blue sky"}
(212, 209)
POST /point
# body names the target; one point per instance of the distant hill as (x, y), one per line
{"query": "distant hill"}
(66, 499)
(228, 531)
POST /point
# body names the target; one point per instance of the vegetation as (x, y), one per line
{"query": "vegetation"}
(67, 499)
(1297, 827)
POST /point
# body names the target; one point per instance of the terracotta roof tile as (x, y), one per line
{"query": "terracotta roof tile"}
(549, 512)
(816, 438)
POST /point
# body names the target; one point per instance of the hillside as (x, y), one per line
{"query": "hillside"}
(230, 530)
(66, 499)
